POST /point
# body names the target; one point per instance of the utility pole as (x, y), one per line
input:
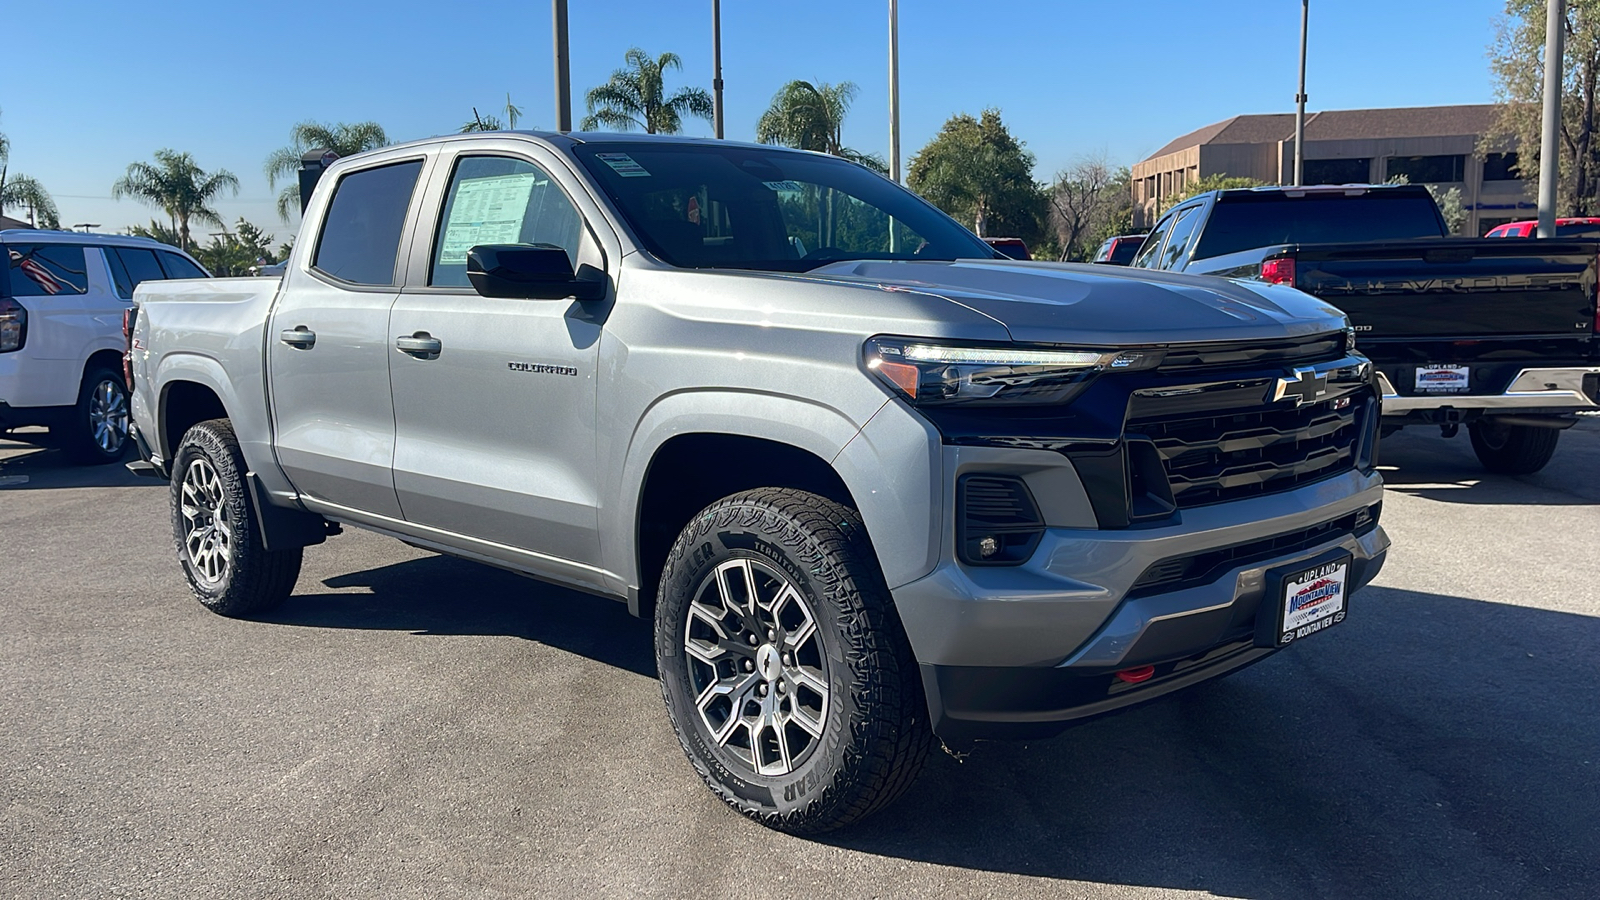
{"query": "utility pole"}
(1300, 101)
(1549, 151)
(894, 91)
(563, 72)
(716, 67)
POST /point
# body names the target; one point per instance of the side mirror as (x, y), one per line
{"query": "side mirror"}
(529, 271)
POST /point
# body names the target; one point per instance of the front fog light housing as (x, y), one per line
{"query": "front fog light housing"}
(928, 373)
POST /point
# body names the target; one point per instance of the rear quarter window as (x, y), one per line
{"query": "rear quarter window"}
(45, 270)
(1315, 219)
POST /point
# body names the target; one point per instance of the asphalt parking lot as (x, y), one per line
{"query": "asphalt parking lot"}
(414, 726)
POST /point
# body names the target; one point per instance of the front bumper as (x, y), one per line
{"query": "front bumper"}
(1556, 390)
(1023, 651)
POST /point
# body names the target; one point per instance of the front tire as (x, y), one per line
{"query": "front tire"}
(1512, 449)
(786, 672)
(98, 432)
(219, 546)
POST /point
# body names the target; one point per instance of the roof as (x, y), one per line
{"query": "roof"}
(1343, 125)
(77, 237)
(7, 223)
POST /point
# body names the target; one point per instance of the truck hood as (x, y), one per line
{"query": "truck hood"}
(1101, 305)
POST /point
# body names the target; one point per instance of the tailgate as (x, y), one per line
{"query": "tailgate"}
(1461, 288)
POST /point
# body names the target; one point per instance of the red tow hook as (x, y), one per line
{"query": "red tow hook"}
(1137, 674)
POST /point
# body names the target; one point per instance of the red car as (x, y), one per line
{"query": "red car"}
(1119, 251)
(1015, 248)
(1567, 227)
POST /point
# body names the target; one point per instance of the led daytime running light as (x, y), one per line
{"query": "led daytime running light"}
(994, 356)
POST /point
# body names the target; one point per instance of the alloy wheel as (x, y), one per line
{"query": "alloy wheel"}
(207, 525)
(757, 667)
(108, 416)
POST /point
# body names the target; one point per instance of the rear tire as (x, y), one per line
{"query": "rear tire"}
(801, 708)
(214, 528)
(98, 432)
(1512, 449)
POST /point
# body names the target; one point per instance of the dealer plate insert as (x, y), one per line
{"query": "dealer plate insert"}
(1313, 600)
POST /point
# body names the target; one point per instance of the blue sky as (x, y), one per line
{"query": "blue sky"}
(103, 84)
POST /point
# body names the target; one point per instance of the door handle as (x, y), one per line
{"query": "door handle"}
(299, 336)
(421, 345)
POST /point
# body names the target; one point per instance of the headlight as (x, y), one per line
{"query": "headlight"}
(928, 373)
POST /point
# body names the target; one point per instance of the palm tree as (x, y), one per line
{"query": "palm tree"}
(490, 122)
(178, 187)
(342, 138)
(811, 117)
(635, 97)
(20, 190)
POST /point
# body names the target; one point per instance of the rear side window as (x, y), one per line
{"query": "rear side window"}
(360, 238)
(178, 267)
(46, 270)
(1316, 219)
(130, 266)
(1178, 238)
(1123, 253)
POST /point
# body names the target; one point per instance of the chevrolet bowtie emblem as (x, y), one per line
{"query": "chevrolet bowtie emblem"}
(1304, 385)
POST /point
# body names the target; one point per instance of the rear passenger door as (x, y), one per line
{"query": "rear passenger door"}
(494, 410)
(328, 341)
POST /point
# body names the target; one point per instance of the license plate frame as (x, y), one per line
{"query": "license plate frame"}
(1442, 378)
(1306, 598)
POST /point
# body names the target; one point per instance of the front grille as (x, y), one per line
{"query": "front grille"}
(1224, 355)
(1203, 568)
(1213, 458)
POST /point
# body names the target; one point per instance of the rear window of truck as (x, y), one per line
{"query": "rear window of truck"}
(1316, 219)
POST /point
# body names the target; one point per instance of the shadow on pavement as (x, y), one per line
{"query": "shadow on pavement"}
(439, 595)
(33, 467)
(1435, 747)
(1432, 746)
(1419, 462)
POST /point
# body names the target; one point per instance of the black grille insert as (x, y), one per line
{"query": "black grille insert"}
(1218, 457)
(1319, 348)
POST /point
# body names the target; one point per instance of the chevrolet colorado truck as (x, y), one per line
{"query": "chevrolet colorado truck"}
(873, 483)
(1496, 335)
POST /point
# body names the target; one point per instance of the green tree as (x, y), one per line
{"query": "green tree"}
(345, 139)
(25, 192)
(492, 122)
(176, 185)
(977, 172)
(811, 117)
(155, 231)
(1516, 62)
(1213, 182)
(635, 97)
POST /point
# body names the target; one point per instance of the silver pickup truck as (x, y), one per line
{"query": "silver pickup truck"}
(873, 483)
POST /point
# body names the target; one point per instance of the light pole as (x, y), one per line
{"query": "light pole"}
(1549, 152)
(894, 91)
(86, 226)
(563, 73)
(1300, 100)
(716, 67)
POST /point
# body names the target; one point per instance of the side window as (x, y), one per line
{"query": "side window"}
(119, 273)
(140, 266)
(46, 270)
(178, 267)
(1178, 238)
(498, 200)
(360, 238)
(1152, 242)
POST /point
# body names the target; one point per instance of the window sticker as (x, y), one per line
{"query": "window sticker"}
(791, 186)
(623, 165)
(486, 211)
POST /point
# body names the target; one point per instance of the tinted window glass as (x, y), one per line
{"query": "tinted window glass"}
(46, 270)
(1501, 167)
(1579, 229)
(1104, 253)
(1123, 253)
(119, 274)
(495, 200)
(1152, 242)
(361, 233)
(750, 208)
(141, 264)
(1314, 219)
(178, 267)
(1428, 169)
(1337, 171)
(1178, 239)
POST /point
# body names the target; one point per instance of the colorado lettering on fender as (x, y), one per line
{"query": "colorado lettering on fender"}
(541, 368)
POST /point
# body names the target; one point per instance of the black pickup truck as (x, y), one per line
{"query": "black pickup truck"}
(1497, 335)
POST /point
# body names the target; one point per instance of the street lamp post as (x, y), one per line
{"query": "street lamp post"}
(1300, 100)
(1549, 151)
(563, 71)
(716, 67)
(894, 91)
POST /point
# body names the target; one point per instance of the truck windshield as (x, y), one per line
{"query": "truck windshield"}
(1269, 219)
(721, 206)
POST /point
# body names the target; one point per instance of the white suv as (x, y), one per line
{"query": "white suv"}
(62, 299)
